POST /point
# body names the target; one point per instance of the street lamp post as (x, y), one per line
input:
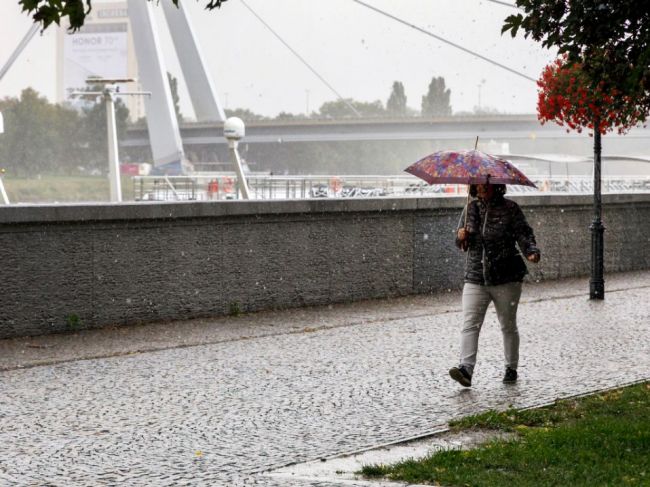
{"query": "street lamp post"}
(234, 130)
(480, 85)
(597, 281)
(113, 159)
(109, 93)
(3, 193)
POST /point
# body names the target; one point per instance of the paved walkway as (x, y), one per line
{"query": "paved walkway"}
(217, 402)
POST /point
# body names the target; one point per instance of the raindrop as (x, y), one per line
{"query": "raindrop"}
(425, 236)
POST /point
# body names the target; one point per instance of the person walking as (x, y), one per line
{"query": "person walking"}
(494, 271)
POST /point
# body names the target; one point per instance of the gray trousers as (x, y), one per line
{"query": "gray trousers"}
(476, 299)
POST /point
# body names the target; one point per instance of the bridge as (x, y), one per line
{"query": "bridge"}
(278, 131)
(509, 134)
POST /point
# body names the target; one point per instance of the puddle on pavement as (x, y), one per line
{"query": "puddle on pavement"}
(342, 468)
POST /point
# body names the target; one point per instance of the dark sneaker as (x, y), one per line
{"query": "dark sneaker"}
(461, 375)
(510, 376)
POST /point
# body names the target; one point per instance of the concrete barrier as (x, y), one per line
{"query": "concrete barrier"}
(71, 267)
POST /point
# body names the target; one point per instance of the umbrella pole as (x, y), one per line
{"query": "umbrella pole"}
(467, 203)
(469, 186)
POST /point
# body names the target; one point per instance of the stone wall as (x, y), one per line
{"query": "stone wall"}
(71, 267)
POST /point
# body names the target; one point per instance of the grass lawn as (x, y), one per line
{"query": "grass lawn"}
(62, 189)
(596, 440)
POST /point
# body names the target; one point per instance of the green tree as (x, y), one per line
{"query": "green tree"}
(340, 109)
(290, 116)
(485, 111)
(245, 114)
(436, 102)
(396, 104)
(173, 86)
(47, 12)
(609, 39)
(40, 137)
(93, 132)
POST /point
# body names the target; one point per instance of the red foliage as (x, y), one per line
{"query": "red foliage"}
(566, 97)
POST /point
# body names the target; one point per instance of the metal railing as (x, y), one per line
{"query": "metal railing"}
(223, 186)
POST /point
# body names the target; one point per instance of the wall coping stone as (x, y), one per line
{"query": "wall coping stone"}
(155, 210)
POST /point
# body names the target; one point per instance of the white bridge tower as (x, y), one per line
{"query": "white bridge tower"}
(164, 133)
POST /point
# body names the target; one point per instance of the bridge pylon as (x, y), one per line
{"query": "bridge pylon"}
(164, 132)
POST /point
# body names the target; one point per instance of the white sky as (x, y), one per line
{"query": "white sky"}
(357, 50)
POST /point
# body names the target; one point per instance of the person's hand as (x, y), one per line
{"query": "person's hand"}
(462, 234)
(534, 258)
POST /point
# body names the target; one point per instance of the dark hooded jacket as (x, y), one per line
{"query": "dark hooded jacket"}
(495, 230)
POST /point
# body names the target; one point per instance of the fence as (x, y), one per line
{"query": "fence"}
(223, 186)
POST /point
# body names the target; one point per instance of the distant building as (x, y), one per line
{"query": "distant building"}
(103, 47)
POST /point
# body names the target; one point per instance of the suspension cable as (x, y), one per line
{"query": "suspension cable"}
(442, 39)
(302, 60)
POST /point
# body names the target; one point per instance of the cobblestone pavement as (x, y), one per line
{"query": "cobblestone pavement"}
(222, 412)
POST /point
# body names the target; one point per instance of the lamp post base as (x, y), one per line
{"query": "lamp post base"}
(597, 289)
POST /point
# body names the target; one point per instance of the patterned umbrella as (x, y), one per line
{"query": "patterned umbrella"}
(467, 167)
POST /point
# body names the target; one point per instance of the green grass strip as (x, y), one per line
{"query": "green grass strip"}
(63, 189)
(597, 440)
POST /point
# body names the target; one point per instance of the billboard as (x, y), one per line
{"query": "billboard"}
(101, 51)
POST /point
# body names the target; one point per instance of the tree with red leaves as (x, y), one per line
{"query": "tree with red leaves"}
(610, 39)
(602, 84)
(566, 96)
(569, 96)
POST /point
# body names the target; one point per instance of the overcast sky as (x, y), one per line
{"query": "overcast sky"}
(359, 52)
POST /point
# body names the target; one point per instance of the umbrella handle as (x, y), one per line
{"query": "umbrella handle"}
(476, 143)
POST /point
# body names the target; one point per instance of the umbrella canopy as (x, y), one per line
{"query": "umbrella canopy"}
(467, 167)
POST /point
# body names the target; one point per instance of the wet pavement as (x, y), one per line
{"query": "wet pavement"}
(220, 402)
